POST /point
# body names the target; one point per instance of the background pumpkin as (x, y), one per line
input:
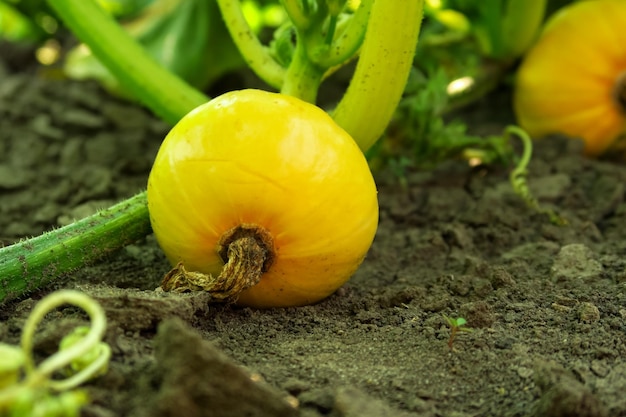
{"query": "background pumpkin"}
(572, 80)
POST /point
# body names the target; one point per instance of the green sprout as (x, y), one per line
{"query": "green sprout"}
(27, 389)
(457, 325)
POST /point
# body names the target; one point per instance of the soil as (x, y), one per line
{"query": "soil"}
(546, 304)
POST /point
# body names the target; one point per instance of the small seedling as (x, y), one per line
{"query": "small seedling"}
(29, 389)
(456, 326)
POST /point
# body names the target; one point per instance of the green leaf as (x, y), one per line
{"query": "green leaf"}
(188, 37)
(15, 26)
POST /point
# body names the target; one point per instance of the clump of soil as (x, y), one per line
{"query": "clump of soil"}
(546, 303)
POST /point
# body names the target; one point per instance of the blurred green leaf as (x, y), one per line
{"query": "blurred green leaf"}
(16, 26)
(283, 46)
(188, 37)
(123, 8)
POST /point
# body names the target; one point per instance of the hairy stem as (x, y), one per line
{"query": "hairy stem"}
(254, 53)
(296, 14)
(348, 39)
(29, 264)
(168, 96)
(303, 77)
(382, 71)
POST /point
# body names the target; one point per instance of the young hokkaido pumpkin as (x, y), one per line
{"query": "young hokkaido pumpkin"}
(261, 198)
(573, 80)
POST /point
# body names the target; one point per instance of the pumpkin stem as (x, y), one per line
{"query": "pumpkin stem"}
(248, 251)
(619, 91)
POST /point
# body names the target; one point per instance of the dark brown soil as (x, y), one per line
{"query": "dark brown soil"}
(547, 304)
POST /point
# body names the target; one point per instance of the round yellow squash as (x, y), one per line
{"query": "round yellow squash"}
(573, 80)
(269, 166)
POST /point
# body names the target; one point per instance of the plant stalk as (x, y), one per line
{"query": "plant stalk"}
(348, 39)
(298, 15)
(168, 96)
(255, 54)
(382, 71)
(29, 264)
(303, 77)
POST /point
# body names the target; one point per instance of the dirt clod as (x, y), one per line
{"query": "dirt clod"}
(198, 380)
(563, 395)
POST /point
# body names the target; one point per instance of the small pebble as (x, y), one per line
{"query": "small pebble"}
(575, 261)
(588, 312)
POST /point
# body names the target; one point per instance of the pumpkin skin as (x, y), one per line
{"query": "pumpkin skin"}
(252, 157)
(572, 80)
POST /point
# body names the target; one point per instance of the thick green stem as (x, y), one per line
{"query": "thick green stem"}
(382, 71)
(29, 264)
(168, 96)
(297, 14)
(303, 77)
(255, 54)
(348, 39)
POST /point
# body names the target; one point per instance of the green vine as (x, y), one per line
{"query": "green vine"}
(519, 175)
(257, 56)
(31, 263)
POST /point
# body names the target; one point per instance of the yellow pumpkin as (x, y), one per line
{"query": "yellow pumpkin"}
(273, 168)
(573, 80)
